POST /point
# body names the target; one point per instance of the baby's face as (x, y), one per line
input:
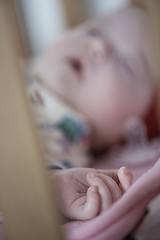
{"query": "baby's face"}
(103, 69)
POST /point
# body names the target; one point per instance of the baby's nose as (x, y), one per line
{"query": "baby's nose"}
(98, 49)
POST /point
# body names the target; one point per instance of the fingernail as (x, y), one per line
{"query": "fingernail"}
(92, 175)
(94, 189)
(126, 171)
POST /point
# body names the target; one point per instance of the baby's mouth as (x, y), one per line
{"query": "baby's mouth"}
(76, 66)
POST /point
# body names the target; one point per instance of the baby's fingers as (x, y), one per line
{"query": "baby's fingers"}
(125, 178)
(86, 207)
(91, 207)
(104, 192)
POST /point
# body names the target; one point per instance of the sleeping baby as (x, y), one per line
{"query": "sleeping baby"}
(83, 193)
(101, 75)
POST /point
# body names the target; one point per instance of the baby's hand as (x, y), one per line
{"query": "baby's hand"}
(111, 185)
(84, 192)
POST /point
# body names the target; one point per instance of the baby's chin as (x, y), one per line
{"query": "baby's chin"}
(100, 145)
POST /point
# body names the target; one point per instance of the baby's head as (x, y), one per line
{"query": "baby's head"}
(103, 69)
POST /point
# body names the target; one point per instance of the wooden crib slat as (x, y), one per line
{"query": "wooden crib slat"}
(74, 12)
(153, 9)
(154, 12)
(25, 194)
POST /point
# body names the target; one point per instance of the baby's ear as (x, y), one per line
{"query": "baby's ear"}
(135, 132)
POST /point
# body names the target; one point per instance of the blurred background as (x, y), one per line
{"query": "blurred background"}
(41, 22)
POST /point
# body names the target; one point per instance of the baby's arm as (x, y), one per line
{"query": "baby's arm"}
(84, 192)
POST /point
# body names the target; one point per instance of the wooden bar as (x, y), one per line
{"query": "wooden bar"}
(25, 194)
(153, 9)
(74, 11)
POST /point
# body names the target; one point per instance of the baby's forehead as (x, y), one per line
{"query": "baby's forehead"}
(126, 26)
(131, 13)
